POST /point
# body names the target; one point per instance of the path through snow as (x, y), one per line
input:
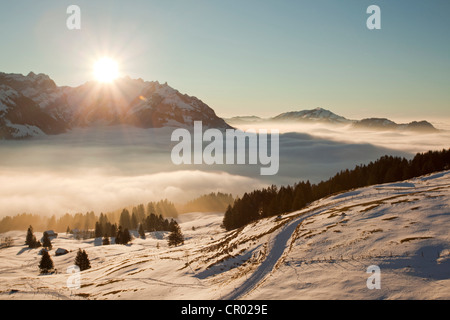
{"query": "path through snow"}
(276, 250)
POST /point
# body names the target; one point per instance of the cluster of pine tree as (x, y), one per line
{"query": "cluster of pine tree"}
(41, 222)
(150, 223)
(123, 236)
(212, 202)
(157, 223)
(46, 263)
(82, 260)
(31, 241)
(274, 201)
(104, 228)
(164, 208)
(87, 221)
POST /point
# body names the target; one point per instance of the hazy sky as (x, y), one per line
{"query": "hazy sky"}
(248, 57)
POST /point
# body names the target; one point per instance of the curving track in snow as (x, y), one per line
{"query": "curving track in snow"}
(277, 247)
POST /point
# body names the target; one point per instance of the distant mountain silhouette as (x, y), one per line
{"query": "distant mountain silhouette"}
(320, 115)
(386, 124)
(317, 114)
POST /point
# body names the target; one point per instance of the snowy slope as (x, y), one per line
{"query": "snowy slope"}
(6, 96)
(21, 117)
(320, 252)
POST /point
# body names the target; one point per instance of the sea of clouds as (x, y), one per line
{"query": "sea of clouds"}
(106, 168)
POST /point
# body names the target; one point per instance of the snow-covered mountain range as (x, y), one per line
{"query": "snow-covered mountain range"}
(320, 115)
(323, 251)
(34, 105)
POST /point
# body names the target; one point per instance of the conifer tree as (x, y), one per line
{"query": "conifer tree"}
(105, 241)
(141, 231)
(30, 240)
(46, 264)
(103, 219)
(119, 235)
(172, 225)
(151, 222)
(151, 208)
(123, 236)
(82, 260)
(176, 237)
(98, 230)
(113, 230)
(140, 213)
(87, 263)
(126, 236)
(46, 243)
(134, 221)
(228, 222)
(125, 219)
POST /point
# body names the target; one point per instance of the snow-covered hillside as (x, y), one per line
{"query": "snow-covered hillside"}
(320, 252)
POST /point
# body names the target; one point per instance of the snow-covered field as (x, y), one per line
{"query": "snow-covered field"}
(320, 252)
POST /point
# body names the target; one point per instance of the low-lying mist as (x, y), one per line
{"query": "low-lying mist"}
(106, 168)
(401, 140)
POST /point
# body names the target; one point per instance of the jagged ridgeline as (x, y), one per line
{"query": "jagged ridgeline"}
(34, 105)
(274, 201)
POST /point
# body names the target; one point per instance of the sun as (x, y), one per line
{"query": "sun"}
(106, 70)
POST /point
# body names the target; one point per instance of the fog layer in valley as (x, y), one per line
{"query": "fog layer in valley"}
(106, 168)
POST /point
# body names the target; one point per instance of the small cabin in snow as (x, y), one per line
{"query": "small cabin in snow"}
(51, 234)
(61, 251)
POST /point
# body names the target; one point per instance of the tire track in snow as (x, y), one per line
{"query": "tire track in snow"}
(277, 248)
